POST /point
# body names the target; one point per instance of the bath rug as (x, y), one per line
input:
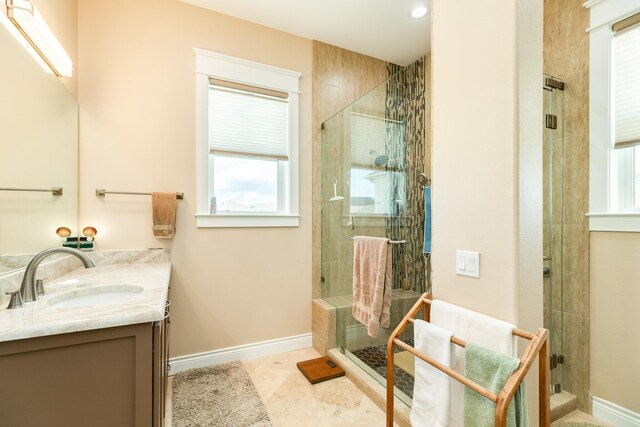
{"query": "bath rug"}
(221, 395)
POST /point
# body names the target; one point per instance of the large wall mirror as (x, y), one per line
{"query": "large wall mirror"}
(38, 151)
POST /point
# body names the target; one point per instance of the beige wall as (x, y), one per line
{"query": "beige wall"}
(62, 18)
(475, 152)
(474, 172)
(229, 286)
(487, 184)
(615, 336)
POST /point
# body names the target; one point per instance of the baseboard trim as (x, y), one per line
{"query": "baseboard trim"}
(241, 352)
(614, 414)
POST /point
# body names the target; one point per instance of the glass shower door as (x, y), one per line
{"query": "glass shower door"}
(553, 226)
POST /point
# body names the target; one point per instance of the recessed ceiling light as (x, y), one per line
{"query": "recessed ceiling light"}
(419, 12)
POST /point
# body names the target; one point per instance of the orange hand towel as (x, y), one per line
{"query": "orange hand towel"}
(164, 206)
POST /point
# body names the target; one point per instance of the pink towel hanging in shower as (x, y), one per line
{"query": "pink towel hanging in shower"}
(372, 267)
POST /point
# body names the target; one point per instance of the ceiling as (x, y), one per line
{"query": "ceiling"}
(383, 29)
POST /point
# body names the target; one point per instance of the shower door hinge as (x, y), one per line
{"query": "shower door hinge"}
(553, 83)
(551, 121)
(555, 360)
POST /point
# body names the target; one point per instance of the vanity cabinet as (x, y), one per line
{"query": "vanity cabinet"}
(161, 367)
(104, 377)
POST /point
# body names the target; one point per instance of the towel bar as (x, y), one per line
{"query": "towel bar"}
(391, 242)
(102, 192)
(55, 191)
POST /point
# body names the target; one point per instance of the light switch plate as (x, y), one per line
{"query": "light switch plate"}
(468, 263)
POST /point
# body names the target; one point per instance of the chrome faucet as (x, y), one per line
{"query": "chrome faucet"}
(28, 291)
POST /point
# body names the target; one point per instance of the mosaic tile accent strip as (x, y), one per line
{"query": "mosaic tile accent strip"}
(405, 103)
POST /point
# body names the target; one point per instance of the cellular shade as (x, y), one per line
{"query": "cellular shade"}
(248, 122)
(626, 87)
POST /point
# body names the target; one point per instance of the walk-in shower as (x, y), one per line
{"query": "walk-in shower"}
(372, 153)
(553, 228)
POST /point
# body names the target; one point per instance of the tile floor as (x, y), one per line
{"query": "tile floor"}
(292, 401)
(580, 417)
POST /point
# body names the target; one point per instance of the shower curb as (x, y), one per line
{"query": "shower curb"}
(373, 389)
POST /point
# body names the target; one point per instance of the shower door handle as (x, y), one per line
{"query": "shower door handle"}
(546, 258)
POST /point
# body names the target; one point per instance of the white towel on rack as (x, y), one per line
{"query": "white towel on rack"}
(468, 325)
(430, 407)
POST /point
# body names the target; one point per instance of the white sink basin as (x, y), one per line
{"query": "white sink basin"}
(99, 295)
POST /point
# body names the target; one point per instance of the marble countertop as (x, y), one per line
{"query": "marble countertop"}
(41, 318)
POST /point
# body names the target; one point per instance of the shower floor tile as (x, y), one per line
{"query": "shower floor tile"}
(376, 359)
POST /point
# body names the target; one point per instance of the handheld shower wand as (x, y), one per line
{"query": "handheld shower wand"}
(335, 197)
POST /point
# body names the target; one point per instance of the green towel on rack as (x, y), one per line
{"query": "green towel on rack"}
(491, 370)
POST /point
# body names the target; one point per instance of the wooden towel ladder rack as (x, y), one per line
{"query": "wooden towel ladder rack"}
(538, 346)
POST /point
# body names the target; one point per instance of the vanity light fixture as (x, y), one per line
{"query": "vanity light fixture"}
(419, 12)
(32, 26)
(23, 42)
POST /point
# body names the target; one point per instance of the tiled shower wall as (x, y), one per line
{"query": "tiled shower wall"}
(339, 78)
(566, 56)
(405, 101)
(400, 99)
(337, 222)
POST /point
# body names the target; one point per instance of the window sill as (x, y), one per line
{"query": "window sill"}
(246, 221)
(610, 221)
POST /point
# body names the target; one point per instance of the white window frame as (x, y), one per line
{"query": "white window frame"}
(236, 70)
(606, 195)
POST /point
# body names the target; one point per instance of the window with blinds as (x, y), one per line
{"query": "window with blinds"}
(248, 147)
(626, 84)
(614, 116)
(625, 114)
(244, 121)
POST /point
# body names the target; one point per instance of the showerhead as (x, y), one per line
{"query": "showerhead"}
(422, 179)
(381, 160)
